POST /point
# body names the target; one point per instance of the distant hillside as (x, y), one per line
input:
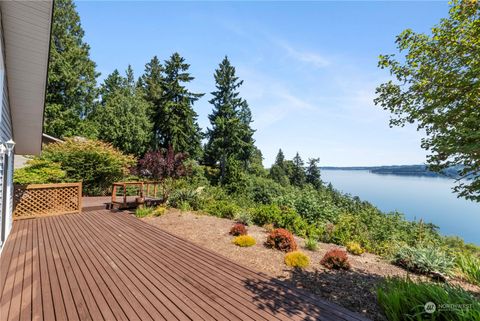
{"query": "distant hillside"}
(404, 170)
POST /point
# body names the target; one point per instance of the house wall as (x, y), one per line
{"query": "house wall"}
(6, 159)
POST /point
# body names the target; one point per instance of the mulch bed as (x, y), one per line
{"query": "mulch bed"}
(354, 289)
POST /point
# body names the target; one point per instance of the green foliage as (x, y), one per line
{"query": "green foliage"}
(403, 299)
(150, 211)
(469, 268)
(297, 259)
(222, 208)
(425, 260)
(263, 190)
(244, 241)
(39, 171)
(244, 217)
(95, 163)
(282, 240)
(185, 198)
(231, 137)
(278, 170)
(71, 88)
(123, 117)
(174, 120)
(336, 259)
(297, 174)
(313, 173)
(144, 211)
(436, 88)
(311, 244)
(355, 248)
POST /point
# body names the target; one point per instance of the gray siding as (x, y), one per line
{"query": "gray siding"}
(6, 120)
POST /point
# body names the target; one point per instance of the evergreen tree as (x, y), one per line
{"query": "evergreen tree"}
(111, 84)
(231, 135)
(297, 175)
(278, 170)
(71, 89)
(313, 173)
(153, 85)
(174, 120)
(123, 115)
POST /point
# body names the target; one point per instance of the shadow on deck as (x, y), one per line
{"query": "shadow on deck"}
(100, 265)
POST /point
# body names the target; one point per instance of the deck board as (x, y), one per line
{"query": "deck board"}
(101, 265)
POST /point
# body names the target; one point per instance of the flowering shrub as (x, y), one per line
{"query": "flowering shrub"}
(282, 240)
(354, 248)
(244, 241)
(297, 259)
(336, 259)
(238, 229)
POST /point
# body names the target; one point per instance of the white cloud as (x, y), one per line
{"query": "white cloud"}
(312, 58)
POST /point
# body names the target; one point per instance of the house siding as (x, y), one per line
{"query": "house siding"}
(6, 160)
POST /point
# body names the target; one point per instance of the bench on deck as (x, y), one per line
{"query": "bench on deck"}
(135, 194)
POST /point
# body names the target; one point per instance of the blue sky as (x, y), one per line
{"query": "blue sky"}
(309, 68)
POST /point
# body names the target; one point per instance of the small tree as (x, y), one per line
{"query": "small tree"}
(278, 170)
(297, 176)
(313, 173)
(163, 166)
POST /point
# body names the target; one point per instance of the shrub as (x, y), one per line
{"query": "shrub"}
(469, 267)
(95, 163)
(355, 248)
(269, 227)
(159, 211)
(39, 171)
(144, 211)
(297, 259)
(336, 259)
(185, 198)
(282, 240)
(222, 208)
(266, 214)
(311, 244)
(238, 229)
(244, 241)
(424, 260)
(403, 299)
(243, 217)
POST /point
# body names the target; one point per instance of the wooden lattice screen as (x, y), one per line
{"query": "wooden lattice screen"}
(47, 199)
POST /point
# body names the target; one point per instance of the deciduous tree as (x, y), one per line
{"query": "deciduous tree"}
(437, 87)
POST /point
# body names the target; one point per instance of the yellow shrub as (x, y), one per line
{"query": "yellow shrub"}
(354, 248)
(159, 211)
(244, 241)
(297, 259)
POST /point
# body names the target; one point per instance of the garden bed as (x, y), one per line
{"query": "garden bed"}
(353, 289)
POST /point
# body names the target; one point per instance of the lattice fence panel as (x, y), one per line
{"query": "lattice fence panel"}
(47, 199)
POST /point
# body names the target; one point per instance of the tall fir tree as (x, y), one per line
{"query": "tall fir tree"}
(230, 136)
(174, 120)
(123, 118)
(297, 175)
(313, 173)
(152, 83)
(71, 89)
(278, 170)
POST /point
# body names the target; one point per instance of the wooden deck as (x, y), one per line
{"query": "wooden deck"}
(100, 265)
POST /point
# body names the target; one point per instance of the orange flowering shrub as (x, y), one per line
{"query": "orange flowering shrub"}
(282, 240)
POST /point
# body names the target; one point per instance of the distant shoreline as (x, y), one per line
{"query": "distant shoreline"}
(400, 170)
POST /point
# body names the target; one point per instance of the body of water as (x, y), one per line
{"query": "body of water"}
(427, 198)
